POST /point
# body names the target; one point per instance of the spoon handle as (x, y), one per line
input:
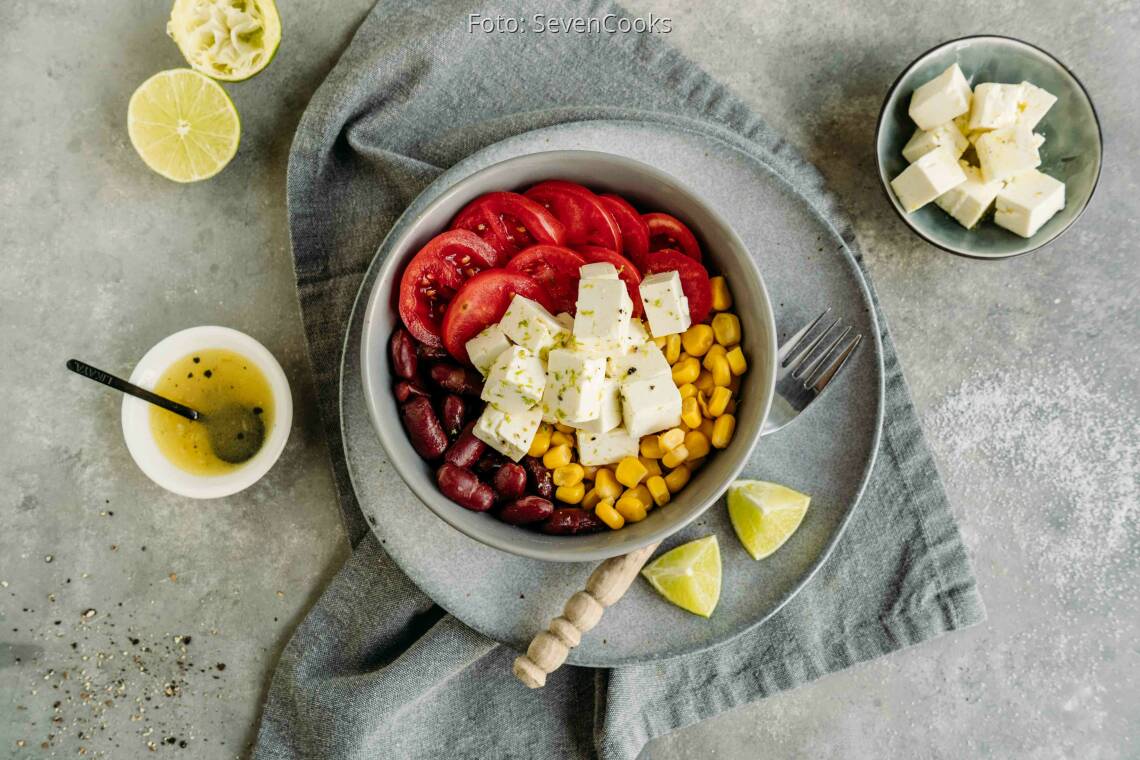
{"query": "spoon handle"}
(119, 384)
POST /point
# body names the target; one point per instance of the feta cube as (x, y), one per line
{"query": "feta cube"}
(509, 433)
(943, 136)
(941, 99)
(599, 270)
(485, 348)
(606, 448)
(1004, 153)
(530, 325)
(643, 362)
(565, 319)
(995, 105)
(1033, 105)
(574, 380)
(604, 310)
(969, 201)
(666, 308)
(637, 334)
(609, 410)
(1038, 140)
(926, 179)
(650, 405)
(1028, 201)
(516, 380)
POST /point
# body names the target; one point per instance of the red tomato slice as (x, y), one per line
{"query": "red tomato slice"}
(481, 302)
(634, 230)
(554, 268)
(510, 222)
(626, 271)
(694, 280)
(667, 231)
(432, 277)
(585, 216)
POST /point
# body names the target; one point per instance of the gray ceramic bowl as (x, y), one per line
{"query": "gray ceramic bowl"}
(649, 189)
(1072, 151)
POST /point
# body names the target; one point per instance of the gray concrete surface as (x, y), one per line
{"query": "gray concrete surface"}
(1025, 373)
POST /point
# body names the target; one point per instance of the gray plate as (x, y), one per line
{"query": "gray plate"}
(828, 453)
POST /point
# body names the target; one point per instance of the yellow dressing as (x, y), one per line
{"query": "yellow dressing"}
(207, 381)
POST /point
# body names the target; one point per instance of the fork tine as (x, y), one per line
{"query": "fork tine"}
(793, 342)
(810, 368)
(800, 357)
(821, 381)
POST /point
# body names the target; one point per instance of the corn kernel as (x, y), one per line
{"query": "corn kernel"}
(660, 341)
(675, 457)
(690, 412)
(736, 361)
(610, 516)
(697, 444)
(652, 466)
(556, 456)
(686, 371)
(606, 484)
(726, 328)
(559, 438)
(723, 429)
(721, 296)
(707, 427)
(562, 427)
(671, 439)
(631, 509)
(697, 340)
(672, 348)
(571, 494)
(651, 447)
(687, 390)
(630, 471)
(718, 401)
(641, 493)
(569, 475)
(589, 472)
(678, 478)
(658, 490)
(541, 441)
(705, 382)
(703, 404)
(715, 351)
(592, 499)
(721, 374)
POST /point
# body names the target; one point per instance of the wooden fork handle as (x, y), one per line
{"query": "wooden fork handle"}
(607, 584)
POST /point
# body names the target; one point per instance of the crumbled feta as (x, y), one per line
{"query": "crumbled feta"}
(1028, 201)
(485, 347)
(969, 201)
(530, 325)
(941, 99)
(1033, 105)
(650, 405)
(606, 448)
(943, 136)
(509, 433)
(666, 307)
(1005, 153)
(926, 179)
(995, 105)
(574, 380)
(643, 362)
(604, 309)
(609, 410)
(516, 380)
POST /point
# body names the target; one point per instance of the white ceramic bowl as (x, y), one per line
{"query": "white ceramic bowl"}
(136, 413)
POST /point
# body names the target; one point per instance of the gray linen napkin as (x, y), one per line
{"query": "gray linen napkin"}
(377, 670)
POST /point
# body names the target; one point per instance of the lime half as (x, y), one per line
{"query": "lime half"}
(765, 515)
(689, 575)
(229, 40)
(184, 125)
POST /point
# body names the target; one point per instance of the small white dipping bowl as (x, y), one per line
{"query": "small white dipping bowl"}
(136, 413)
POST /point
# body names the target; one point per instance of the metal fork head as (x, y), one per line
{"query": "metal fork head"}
(808, 361)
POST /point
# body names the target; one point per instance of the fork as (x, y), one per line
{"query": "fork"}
(804, 370)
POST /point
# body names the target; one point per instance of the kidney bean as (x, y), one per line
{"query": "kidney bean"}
(462, 487)
(455, 379)
(424, 430)
(467, 449)
(402, 349)
(489, 464)
(541, 481)
(432, 353)
(527, 510)
(451, 412)
(405, 389)
(510, 481)
(568, 522)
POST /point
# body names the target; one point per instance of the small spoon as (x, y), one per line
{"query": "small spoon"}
(236, 432)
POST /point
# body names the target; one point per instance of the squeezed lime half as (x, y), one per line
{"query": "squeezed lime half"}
(230, 40)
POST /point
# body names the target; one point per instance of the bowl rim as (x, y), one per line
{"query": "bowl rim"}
(376, 299)
(885, 182)
(135, 414)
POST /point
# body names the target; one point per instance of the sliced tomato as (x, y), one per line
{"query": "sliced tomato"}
(626, 271)
(667, 231)
(554, 268)
(481, 302)
(434, 274)
(694, 280)
(634, 230)
(510, 222)
(585, 216)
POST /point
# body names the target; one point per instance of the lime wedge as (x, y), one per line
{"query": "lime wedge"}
(183, 125)
(765, 515)
(689, 575)
(229, 40)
